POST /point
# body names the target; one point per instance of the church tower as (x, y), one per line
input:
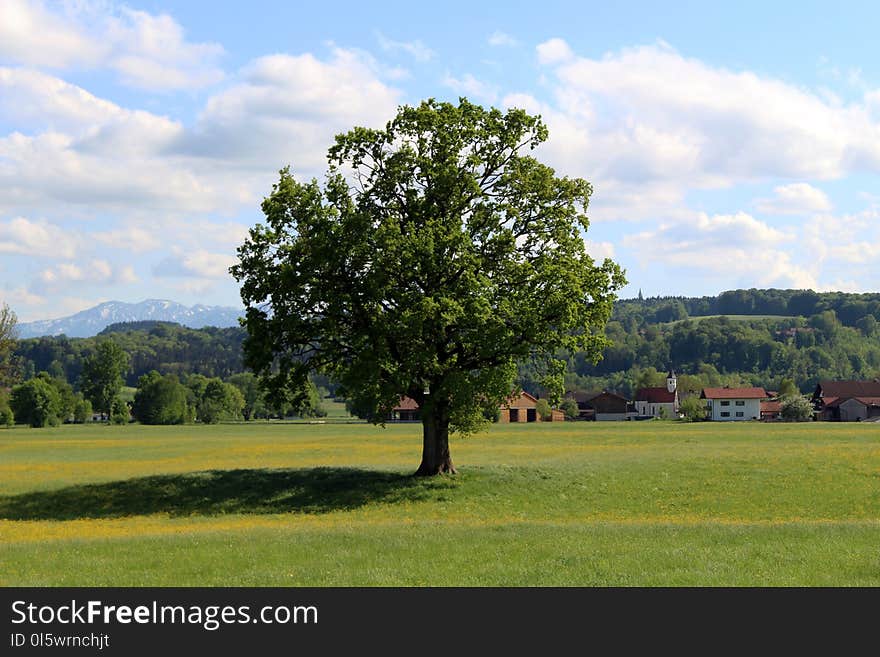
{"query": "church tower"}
(671, 381)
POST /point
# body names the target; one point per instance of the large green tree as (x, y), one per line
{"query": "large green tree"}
(37, 402)
(102, 375)
(436, 256)
(160, 400)
(220, 401)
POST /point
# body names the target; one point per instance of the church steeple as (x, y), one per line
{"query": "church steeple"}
(671, 381)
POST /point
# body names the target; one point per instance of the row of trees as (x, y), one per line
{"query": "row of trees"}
(50, 400)
(164, 399)
(848, 307)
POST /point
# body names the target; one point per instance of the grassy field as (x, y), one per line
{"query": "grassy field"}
(647, 503)
(734, 318)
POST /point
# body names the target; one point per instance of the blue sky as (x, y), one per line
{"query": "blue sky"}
(731, 146)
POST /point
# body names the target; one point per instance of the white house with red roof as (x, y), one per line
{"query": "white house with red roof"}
(659, 401)
(732, 404)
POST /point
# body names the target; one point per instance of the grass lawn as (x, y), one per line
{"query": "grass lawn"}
(642, 503)
(734, 318)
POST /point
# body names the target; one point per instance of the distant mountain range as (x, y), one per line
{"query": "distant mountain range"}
(90, 322)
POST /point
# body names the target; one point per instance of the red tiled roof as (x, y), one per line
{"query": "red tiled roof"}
(655, 395)
(771, 407)
(867, 401)
(733, 393)
(849, 389)
(406, 404)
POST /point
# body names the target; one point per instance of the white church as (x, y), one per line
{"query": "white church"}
(660, 401)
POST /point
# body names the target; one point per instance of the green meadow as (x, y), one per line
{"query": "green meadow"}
(588, 504)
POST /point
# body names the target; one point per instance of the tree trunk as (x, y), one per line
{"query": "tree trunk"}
(435, 446)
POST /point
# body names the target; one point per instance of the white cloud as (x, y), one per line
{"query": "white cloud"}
(153, 53)
(287, 109)
(472, 87)
(196, 263)
(599, 250)
(95, 271)
(31, 34)
(735, 249)
(23, 301)
(796, 198)
(416, 49)
(650, 114)
(149, 52)
(37, 239)
(554, 51)
(130, 238)
(499, 38)
(844, 243)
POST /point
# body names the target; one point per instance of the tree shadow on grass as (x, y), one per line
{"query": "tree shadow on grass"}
(215, 492)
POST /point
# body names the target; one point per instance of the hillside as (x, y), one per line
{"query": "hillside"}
(838, 337)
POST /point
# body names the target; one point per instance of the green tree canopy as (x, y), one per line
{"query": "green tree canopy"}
(160, 400)
(220, 401)
(796, 408)
(36, 402)
(8, 333)
(102, 375)
(436, 256)
(692, 408)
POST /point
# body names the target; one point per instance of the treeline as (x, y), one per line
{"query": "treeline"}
(808, 336)
(849, 308)
(165, 347)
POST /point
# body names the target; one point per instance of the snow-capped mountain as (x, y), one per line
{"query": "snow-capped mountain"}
(92, 321)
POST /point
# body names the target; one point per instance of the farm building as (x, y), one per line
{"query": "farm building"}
(582, 399)
(660, 401)
(732, 404)
(610, 406)
(847, 401)
(522, 407)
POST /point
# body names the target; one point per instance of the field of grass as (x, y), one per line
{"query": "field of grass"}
(647, 503)
(733, 318)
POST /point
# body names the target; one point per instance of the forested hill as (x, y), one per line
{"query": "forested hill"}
(849, 308)
(163, 346)
(741, 337)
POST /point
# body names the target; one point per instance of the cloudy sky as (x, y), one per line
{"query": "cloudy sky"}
(731, 147)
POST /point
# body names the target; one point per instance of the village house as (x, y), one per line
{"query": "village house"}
(847, 401)
(771, 410)
(407, 410)
(733, 404)
(659, 401)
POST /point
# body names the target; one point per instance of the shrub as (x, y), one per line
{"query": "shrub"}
(570, 408)
(7, 417)
(119, 413)
(542, 407)
(796, 408)
(692, 409)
